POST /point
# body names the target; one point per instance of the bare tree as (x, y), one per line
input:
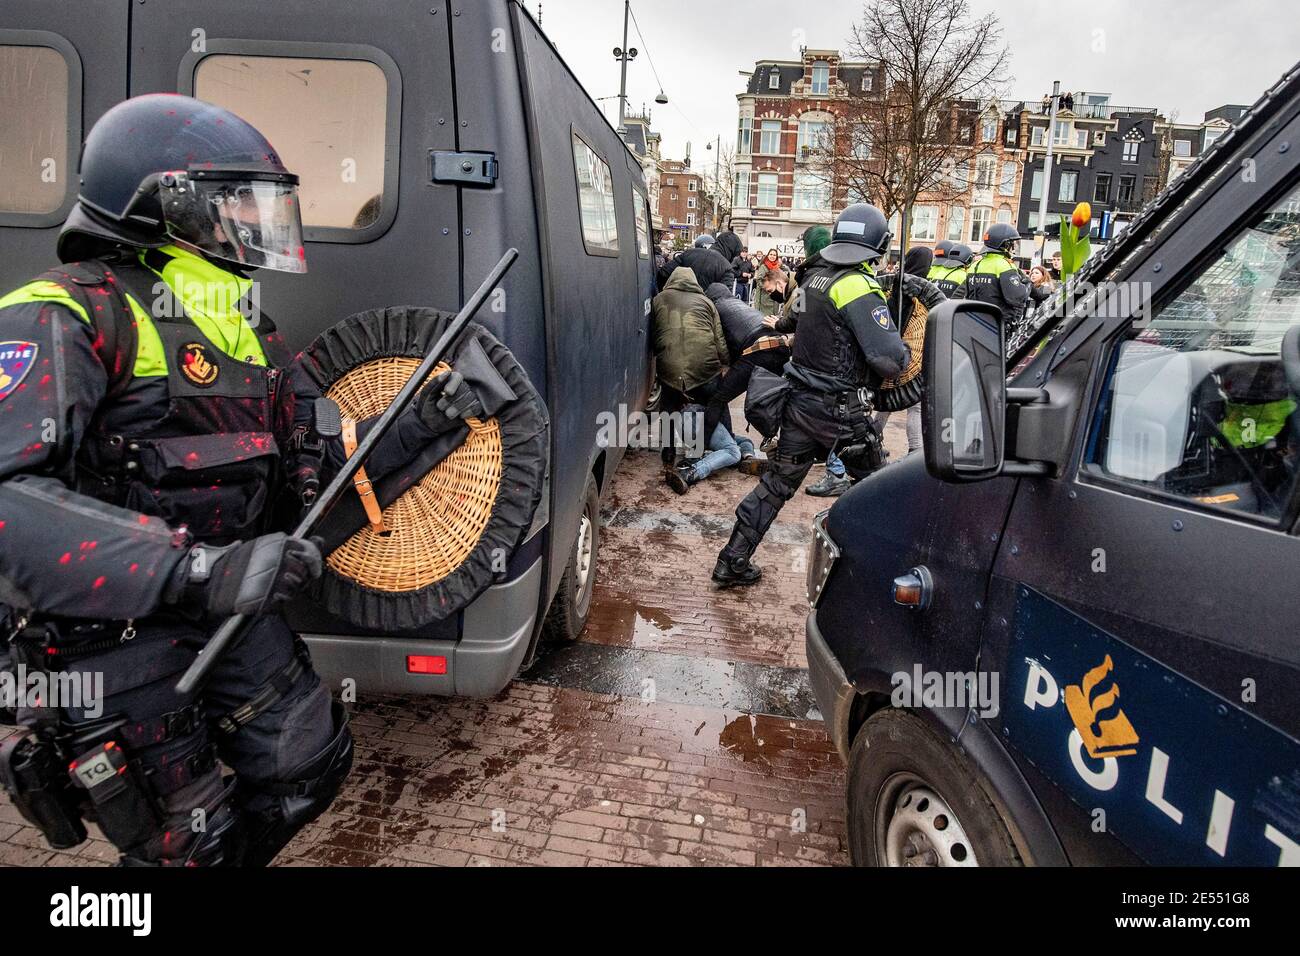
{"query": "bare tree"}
(913, 130)
(720, 184)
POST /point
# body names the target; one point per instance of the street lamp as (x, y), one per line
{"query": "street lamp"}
(623, 54)
(1047, 172)
(717, 184)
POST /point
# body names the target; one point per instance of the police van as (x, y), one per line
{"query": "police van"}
(1067, 633)
(430, 137)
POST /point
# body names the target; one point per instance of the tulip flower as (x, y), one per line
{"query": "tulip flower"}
(1082, 215)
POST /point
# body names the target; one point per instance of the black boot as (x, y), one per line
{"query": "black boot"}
(681, 478)
(734, 568)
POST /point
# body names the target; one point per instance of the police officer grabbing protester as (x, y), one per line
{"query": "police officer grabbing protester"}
(847, 344)
(157, 443)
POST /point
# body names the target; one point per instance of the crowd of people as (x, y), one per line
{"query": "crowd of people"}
(824, 346)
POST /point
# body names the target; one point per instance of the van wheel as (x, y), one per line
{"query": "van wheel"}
(915, 800)
(568, 613)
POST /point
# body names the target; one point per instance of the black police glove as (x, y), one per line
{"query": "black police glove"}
(448, 398)
(252, 577)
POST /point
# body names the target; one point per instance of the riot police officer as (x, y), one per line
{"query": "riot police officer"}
(949, 269)
(847, 344)
(156, 440)
(997, 280)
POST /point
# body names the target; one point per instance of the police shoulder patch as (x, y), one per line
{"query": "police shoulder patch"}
(883, 319)
(16, 360)
(196, 364)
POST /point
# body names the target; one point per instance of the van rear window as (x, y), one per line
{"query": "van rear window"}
(595, 200)
(642, 224)
(33, 129)
(325, 117)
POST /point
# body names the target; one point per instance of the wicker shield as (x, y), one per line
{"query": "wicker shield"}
(451, 527)
(905, 391)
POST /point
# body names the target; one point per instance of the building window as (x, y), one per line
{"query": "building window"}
(811, 135)
(811, 192)
(1182, 148)
(595, 200)
(866, 81)
(965, 134)
(925, 223)
(741, 196)
(861, 146)
(961, 175)
(1066, 186)
(1008, 184)
(1036, 185)
(674, 197)
(1061, 134)
(1099, 138)
(979, 222)
(1011, 135)
(1131, 151)
(767, 190)
(670, 182)
(1038, 136)
(642, 224)
(690, 219)
(774, 80)
(317, 111)
(1004, 214)
(956, 222)
(769, 139)
(690, 202)
(1211, 135)
(986, 169)
(821, 78)
(1080, 139)
(745, 135)
(1126, 187)
(989, 129)
(690, 187)
(1101, 188)
(34, 101)
(1033, 220)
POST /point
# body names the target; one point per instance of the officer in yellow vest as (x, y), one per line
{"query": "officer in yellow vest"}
(847, 344)
(949, 269)
(997, 280)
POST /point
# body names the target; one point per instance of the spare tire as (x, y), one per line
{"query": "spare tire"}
(451, 527)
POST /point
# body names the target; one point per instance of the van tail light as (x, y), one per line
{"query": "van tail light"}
(915, 589)
(426, 664)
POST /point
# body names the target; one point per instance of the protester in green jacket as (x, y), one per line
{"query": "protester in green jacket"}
(690, 351)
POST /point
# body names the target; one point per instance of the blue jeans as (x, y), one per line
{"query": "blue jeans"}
(723, 453)
(834, 466)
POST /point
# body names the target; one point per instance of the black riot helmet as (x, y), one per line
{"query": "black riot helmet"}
(960, 253)
(861, 234)
(1000, 236)
(162, 168)
(941, 250)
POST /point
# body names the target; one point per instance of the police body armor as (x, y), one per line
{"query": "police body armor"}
(948, 278)
(195, 447)
(984, 284)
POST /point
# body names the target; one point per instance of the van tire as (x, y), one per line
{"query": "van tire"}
(569, 609)
(896, 753)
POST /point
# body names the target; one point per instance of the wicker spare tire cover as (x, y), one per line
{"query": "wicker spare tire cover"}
(905, 391)
(451, 531)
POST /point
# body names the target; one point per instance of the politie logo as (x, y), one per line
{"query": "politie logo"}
(881, 315)
(16, 360)
(1094, 709)
(196, 365)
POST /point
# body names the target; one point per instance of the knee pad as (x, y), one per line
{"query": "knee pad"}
(275, 810)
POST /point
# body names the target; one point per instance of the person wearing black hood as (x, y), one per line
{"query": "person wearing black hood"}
(712, 263)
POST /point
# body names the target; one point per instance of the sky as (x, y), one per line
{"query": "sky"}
(1187, 56)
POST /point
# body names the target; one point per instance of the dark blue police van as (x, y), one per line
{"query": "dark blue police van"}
(1070, 631)
(429, 136)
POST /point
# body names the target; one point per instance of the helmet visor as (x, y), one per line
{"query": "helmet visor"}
(251, 222)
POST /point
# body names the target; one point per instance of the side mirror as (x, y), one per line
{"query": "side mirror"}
(964, 415)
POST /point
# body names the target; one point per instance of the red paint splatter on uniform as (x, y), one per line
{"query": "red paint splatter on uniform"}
(67, 556)
(99, 582)
(133, 568)
(45, 380)
(144, 519)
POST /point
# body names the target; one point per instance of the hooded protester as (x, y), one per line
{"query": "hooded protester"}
(711, 263)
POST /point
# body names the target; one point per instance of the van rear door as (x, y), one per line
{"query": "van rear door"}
(61, 67)
(354, 96)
